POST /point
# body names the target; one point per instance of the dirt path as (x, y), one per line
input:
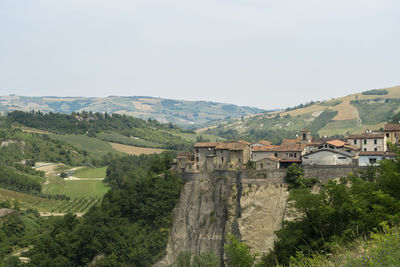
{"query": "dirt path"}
(73, 178)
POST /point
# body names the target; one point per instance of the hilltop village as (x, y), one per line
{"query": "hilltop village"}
(361, 150)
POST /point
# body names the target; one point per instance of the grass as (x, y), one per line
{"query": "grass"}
(28, 201)
(87, 143)
(91, 173)
(134, 150)
(119, 138)
(75, 189)
(191, 137)
(74, 205)
(381, 249)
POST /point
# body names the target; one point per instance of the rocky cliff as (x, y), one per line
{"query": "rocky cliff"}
(219, 203)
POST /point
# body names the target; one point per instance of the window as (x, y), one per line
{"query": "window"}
(197, 150)
(262, 166)
(222, 159)
(375, 149)
(276, 154)
(355, 141)
(365, 141)
(341, 157)
(372, 161)
(295, 155)
(306, 157)
(387, 134)
(291, 155)
(198, 167)
(365, 149)
(240, 160)
(197, 158)
(375, 141)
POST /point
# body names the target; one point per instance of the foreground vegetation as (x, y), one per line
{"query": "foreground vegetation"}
(131, 226)
(339, 213)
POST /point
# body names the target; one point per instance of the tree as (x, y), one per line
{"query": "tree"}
(238, 253)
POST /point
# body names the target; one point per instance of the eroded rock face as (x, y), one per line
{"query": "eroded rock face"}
(220, 203)
(263, 208)
(200, 217)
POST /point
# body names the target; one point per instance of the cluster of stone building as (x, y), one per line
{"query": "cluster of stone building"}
(355, 150)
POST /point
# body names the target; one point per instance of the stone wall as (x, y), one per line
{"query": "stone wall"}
(323, 173)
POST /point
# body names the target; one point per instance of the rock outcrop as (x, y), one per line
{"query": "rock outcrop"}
(223, 202)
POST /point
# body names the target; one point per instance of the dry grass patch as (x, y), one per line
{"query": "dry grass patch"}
(135, 150)
(346, 111)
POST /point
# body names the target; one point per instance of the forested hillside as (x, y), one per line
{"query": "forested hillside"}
(187, 114)
(104, 126)
(336, 117)
(130, 227)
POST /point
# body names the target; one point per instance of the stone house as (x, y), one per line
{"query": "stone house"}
(269, 163)
(369, 141)
(202, 150)
(221, 155)
(181, 161)
(262, 152)
(392, 133)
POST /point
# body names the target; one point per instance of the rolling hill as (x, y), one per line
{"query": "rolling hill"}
(180, 112)
(340, 116)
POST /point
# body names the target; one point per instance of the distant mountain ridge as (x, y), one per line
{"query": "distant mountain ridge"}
(180, 112)
(340, 116)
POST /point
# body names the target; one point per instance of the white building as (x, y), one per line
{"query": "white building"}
(367, 158)
(328, 156)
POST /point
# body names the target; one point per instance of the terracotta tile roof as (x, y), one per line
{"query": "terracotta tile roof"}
(367, 136)
(5, 211)
(288, 147)
(377, 153)
(273, 158)
(392, 127)
(291, 147)
(337, 143)
(264, 148)
(265, 142)
(231, 146)
(289, 141)
(206, 144)
(351, 147)
(244, 142)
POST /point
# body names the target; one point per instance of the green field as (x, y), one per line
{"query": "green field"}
(91, 172)
(75, 189)
(84, 142)
(122, 139)
(192, 137)
(74, 205)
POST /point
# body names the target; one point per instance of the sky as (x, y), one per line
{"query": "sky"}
(261, 53)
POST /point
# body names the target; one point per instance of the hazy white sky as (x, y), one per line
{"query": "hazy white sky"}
(259, 53)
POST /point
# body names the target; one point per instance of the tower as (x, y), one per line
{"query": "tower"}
(305, 136)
